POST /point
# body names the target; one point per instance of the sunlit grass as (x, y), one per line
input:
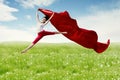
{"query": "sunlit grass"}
(58, 62)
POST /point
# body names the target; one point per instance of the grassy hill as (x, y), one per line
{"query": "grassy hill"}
(67, 61)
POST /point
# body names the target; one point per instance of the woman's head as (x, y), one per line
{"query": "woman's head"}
(44, 19)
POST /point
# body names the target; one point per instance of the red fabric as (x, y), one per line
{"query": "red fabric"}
(64, 23)
(42, 34)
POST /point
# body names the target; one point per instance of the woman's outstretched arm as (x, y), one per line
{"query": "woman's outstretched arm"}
(49, 19)
(37, 17)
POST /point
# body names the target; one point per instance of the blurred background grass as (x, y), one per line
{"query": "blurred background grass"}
(58, 61)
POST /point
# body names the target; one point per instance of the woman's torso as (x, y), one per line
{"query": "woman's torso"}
(40, 27)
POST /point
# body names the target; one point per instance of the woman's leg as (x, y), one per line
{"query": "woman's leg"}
(52, 33)
(40, 35)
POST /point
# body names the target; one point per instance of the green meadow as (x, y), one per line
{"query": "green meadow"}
(64, 61)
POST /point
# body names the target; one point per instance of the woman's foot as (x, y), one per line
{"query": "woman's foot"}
(63, 32)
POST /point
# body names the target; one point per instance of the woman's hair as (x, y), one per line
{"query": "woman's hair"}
(46, 17)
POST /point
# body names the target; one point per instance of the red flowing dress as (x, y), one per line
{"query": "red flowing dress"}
(64, 23)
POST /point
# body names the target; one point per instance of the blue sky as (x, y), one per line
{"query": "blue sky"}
(17, 19)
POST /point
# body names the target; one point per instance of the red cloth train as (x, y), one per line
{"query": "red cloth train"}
(64, 23)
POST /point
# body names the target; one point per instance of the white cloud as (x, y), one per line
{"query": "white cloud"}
(1, 1)
(105, 23)
(14, 34)
(6, 12)
(27, 35)
(32, 3)
(28, 16)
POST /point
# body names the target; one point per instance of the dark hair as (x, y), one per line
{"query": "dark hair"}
(46, 17)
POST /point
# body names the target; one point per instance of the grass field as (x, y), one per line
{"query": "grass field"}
(58, 62)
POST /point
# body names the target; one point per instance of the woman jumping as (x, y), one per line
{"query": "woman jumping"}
(40, 30)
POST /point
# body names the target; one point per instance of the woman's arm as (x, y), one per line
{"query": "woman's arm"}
(37, 17)
(29, 47)
(49, 19)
